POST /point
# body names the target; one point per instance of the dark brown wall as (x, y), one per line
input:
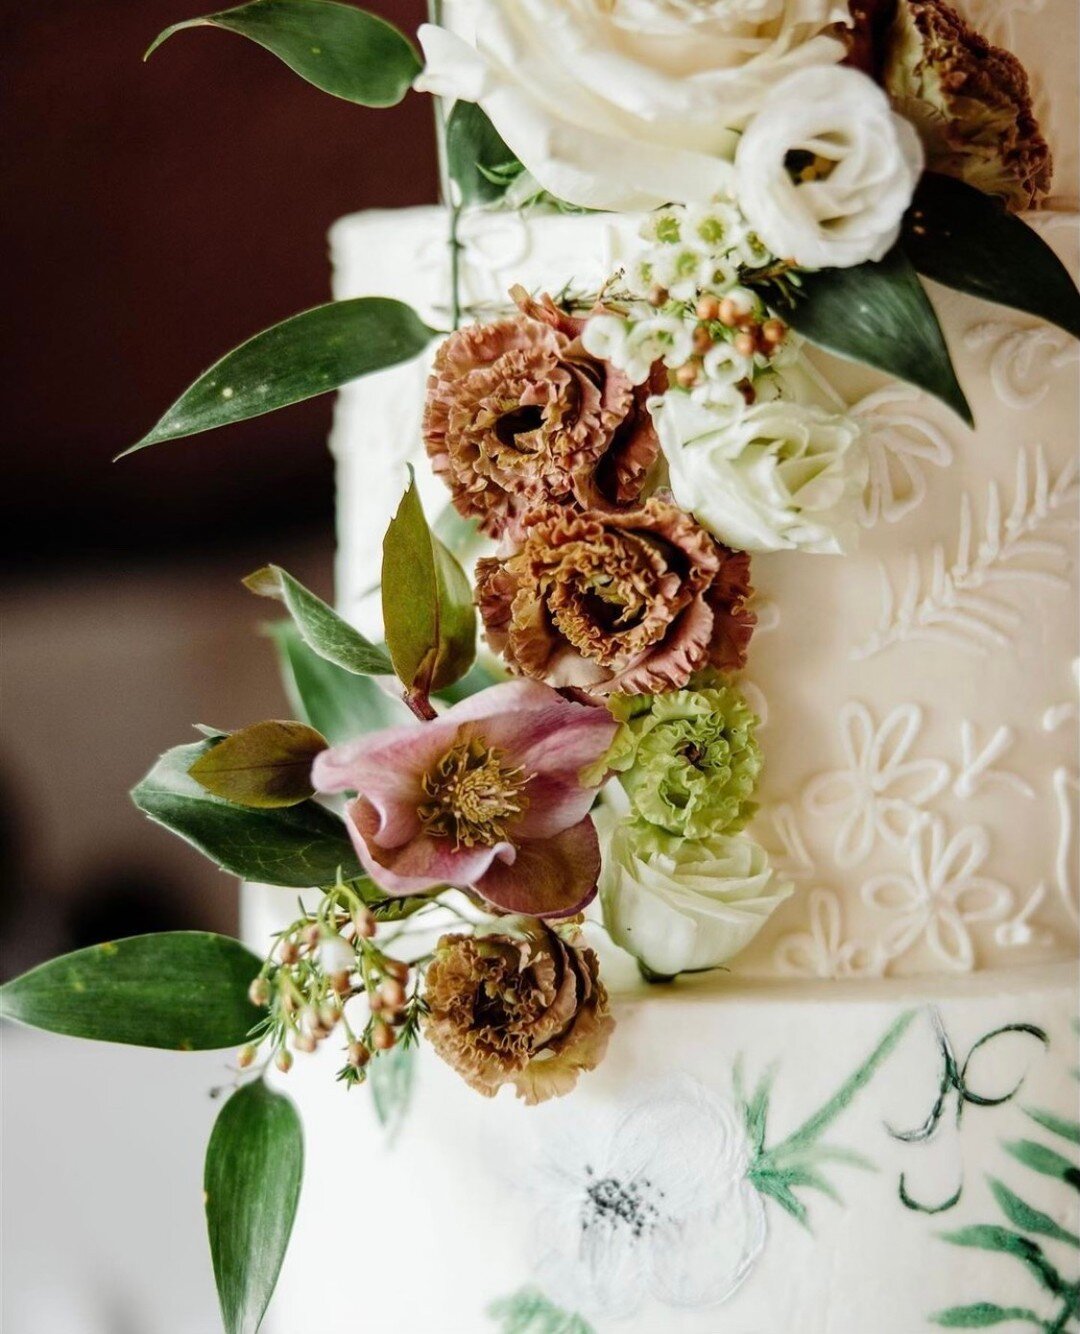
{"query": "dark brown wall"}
(155, 215)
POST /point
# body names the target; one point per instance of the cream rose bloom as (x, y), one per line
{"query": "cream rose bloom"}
(775, 476)
(628, 104)
(679, 904)
(826, 169)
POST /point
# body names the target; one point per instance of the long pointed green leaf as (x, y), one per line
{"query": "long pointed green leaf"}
(981, 1315)
(323, 630)
(343, 50)
(254, 1168)
(474, 150)
(968, 240)
(299, 846)
(879, 314)
(179, 990)
(1027, 1218)
(1064, 1126)
(990, 1237)
(1047, 1161)
(306, 355)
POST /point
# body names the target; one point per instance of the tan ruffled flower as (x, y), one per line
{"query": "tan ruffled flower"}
(634, 601)
(519, 413)
(523, 1007)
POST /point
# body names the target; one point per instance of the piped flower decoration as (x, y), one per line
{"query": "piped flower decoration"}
(488, 797)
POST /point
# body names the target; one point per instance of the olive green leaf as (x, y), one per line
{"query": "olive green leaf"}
(341, 705)
(303, 356)
(179, 990)
(968, 240)
(266, 765)
(298, 846)
(879, 314)
(345, 51)
(323, 630)
(427, 602)
(477, 155)
(251, 1185)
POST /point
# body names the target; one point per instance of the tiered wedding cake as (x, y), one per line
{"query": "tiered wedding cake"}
(902, 1028)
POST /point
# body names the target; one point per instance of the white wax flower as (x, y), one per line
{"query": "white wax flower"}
(336, 955)
(634, 346)
(826, 169)
(628, 104)
(775, 476)
(679, 904)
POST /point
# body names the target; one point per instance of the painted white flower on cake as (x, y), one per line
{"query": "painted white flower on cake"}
(879, 791)
(628, 104)
(778, 475)
(658, 1207)
(840, 203)
(822, 950)
(940, 895)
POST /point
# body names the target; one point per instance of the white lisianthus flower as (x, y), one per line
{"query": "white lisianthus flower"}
(628, 104)
(679, 904)
(771, 477)
(826, 169)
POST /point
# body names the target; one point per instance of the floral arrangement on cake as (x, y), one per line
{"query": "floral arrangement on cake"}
(564, 721)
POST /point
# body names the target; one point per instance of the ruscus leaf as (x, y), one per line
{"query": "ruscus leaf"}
(264, 766)
(475, 149)
(254, 1168)
(178, 990)
(879, 314)
(303, 356)
(345, 51)
(299, 846)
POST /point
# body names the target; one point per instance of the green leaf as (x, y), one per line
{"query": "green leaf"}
(251, 1183)
(427, 601)
(306, 355)
(265, 766)
(982, 1315)
(879, 314)
(341, 705)
(179, 990)
(322, 629)
(345, 51)
(777, 1189)
(390, 1077)
(989, 1237)
(1027, 1218)
(1057, 1125)
(474, 150)
(477, 678)
(968, 240)
(530, 1312)
(1047, 1161)
(299, 846)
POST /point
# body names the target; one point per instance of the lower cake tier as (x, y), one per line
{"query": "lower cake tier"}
(827, 1158)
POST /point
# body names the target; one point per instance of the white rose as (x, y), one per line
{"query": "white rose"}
(628, 104)
(679, 904)
(774, 476)
(862, 162)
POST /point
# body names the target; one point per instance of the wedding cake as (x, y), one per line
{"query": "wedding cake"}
(902, 1028)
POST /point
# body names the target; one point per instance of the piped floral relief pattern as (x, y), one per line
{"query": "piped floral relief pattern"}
(959, 601)
(901, 442)
(940, 895)
(1022, 360)
(978, 763)
(822, 950)
(879, 792)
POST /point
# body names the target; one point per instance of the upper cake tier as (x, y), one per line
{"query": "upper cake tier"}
(918, 697)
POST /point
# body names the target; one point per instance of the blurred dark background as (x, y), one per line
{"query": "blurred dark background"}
(155, 215)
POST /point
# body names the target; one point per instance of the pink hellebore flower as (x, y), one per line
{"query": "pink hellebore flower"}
(488, 797)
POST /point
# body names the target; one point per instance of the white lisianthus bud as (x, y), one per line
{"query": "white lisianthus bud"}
(679, 904)
(826, 169)
(336, 955)
(778, 475)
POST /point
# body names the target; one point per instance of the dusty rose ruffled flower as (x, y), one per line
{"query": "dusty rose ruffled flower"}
(524, 1007)
(518, 412)
(634, 601)
(488, 797)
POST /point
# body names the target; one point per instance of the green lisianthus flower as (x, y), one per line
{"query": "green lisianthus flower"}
(688, 760)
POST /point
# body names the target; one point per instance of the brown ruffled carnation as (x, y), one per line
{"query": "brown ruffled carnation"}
(518, 413)
(633, 601)
(969, 100)
(525, 1008)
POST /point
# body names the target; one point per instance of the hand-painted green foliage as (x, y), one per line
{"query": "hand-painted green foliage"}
(265, 766)
(299, 846)
(343, 50)
(254, 1167)
(879, 314)
(306, 355)
(390, 1079)
(178, 990)
(530, 1312)
(966, 239)
(982, 1315)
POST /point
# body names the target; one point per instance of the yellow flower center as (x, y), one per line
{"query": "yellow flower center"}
(471, 795)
